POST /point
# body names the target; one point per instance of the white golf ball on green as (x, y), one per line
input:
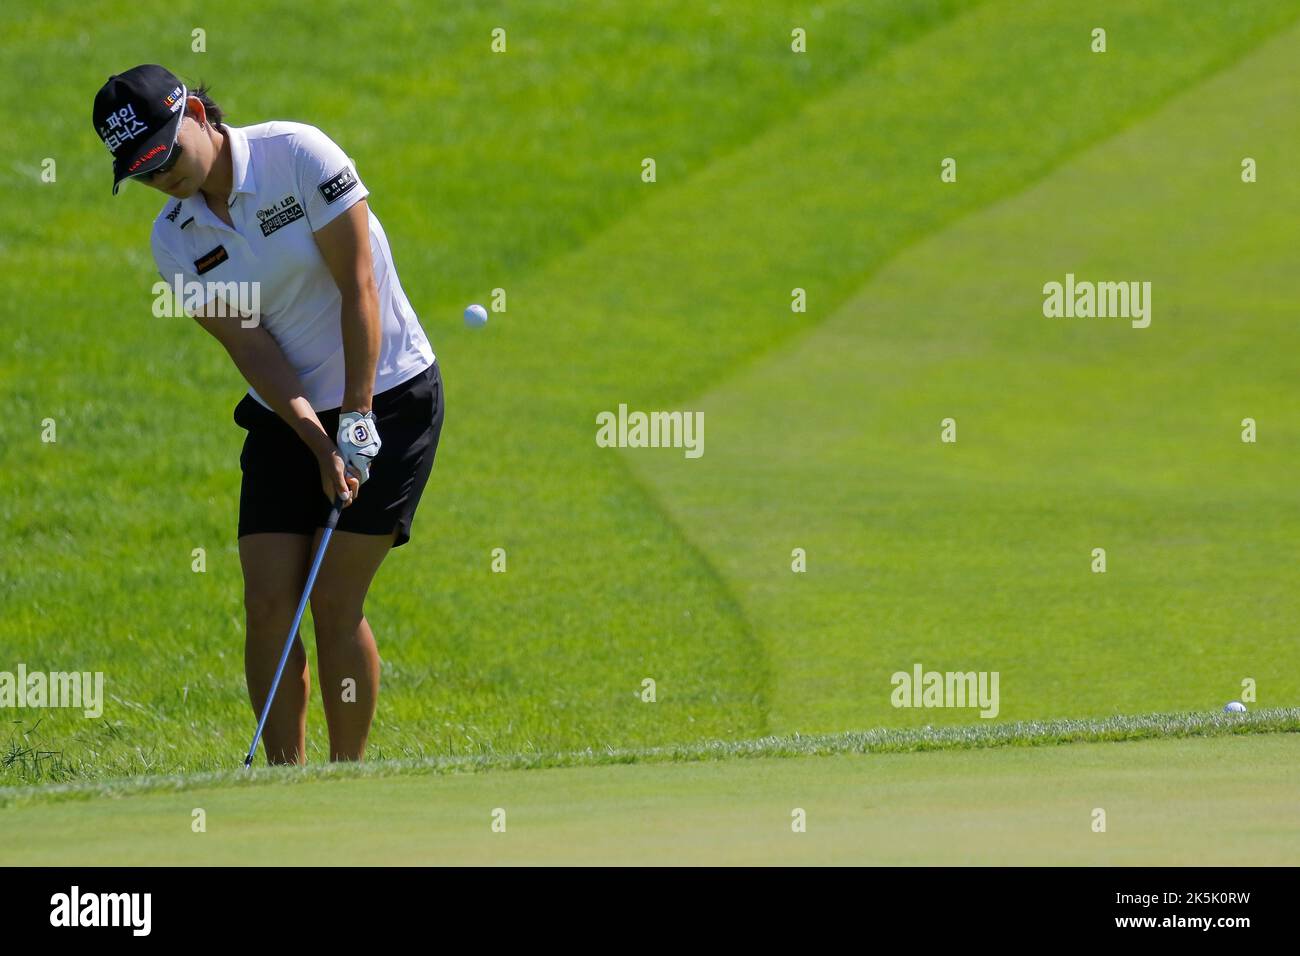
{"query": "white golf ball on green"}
(476, 316)
(1234, 707)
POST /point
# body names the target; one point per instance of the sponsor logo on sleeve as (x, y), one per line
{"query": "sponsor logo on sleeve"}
(210, 260)
(176, 211)
(338, 185)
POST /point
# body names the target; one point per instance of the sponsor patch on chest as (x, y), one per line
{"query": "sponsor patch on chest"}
(280, 214)
(210, 260)
(338, 185)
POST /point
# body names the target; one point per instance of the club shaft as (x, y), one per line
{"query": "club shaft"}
(293, 629)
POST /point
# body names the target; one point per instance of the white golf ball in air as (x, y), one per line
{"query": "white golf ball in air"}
(476, 316)
(1234, 707)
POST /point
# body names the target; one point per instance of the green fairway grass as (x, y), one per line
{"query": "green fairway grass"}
(1225, 801)
(521, 171)
(1073, 434)
(878, 741)
(482, 170)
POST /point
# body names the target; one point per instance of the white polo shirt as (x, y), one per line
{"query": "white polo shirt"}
(289, 181)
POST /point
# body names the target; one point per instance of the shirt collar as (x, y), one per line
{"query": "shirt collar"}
(241, 165)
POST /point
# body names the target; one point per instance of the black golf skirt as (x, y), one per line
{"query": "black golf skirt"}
(281, 490)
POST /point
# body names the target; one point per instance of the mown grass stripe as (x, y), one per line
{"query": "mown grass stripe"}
(1029, 733)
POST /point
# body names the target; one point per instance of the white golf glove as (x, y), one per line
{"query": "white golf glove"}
(358, 442)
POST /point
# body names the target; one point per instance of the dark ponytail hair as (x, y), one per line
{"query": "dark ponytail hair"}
(215, 115)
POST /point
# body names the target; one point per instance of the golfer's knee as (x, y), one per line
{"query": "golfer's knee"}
(265, 608)
(333, 615)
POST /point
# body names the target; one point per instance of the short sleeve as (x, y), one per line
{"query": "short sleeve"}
(326, 178)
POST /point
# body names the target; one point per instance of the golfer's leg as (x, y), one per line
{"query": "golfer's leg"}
(346, 657)
(275, 572)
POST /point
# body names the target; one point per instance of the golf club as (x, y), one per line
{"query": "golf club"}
(293, 628)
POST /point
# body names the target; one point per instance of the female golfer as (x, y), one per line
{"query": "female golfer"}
(283, 262)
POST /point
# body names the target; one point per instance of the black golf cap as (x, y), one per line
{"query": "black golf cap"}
(137, 115)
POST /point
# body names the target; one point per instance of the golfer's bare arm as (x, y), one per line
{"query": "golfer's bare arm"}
(345, 246)
(263, 365)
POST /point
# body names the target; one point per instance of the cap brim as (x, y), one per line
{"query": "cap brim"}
(158, 148)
